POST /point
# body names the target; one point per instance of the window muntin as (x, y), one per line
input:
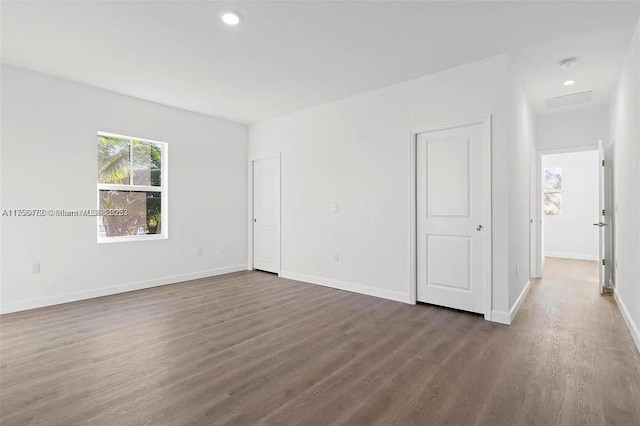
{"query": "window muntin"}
(552, 197)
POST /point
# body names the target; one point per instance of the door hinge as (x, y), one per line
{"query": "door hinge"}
(602, 163)
(602, 212)
(602, 262)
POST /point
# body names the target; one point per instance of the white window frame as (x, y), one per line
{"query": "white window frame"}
(551, 191)
(162, 189)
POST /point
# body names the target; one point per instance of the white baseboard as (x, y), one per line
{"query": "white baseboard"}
(342, 285)
(500, 317)
(516, 306)
(576, 256)
(633, 328)
(507, 317)
(23, 305)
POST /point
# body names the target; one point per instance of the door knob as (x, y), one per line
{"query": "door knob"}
(600, 224)
(479, 227)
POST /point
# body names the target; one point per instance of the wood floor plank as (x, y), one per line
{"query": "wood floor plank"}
(251, 348)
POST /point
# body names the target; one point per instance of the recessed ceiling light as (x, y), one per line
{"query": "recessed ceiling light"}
(231, 18)
(569, 83)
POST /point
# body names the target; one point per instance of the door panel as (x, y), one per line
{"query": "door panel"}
(452, 179)
(448, 176)
(266, 215)
(449, 261)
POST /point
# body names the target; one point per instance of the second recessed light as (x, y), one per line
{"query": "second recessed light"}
(231, 18)
(569, 83)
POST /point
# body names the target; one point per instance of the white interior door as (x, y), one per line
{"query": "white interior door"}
(266, 215)
(453, 182)
(602, 224)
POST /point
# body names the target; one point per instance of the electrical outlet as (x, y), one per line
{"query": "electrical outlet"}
(200, 251)
(35, 268)
(336, 257)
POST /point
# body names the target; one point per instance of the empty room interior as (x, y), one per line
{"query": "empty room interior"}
(320, 212)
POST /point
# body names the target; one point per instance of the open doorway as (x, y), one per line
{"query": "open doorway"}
(570, 198)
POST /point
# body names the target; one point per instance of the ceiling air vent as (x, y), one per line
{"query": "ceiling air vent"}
(575, 99)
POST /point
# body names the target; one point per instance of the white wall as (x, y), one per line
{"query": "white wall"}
(574, 129)
(49, 161)
(356, 153)
(572, 234)
(522, 133)
(625, 135)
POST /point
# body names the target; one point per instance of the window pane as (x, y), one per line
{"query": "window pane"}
(114, 163)
(552, 203)
(553, 178)
(144, 213)
(146, 164)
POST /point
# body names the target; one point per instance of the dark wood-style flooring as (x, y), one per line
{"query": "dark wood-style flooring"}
(250, 348)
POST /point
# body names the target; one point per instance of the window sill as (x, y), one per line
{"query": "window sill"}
(151, 237)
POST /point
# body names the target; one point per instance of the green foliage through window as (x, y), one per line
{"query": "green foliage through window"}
(130, 177)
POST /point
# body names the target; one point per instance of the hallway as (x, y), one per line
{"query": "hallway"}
(555, 269)
(580, 357)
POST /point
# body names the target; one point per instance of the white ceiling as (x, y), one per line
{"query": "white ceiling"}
(600, 57)
(288, 56)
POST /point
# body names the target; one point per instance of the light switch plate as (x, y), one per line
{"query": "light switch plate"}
(333, 208)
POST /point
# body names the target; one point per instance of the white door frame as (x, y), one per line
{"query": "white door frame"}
(539, 254)
(534, 217)
(250, 211)
(413, 250)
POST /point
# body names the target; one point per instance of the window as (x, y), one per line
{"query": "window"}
(132, 181)
(552, 198)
